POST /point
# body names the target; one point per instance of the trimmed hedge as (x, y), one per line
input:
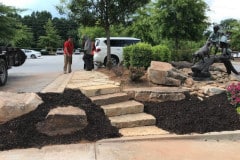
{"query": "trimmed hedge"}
(137, 55)
(161, 53)
(141, 54)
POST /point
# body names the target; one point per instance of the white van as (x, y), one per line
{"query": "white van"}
(116, 44)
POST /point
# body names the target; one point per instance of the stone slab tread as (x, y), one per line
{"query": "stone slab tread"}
(110, 98)
(122, 108)
(133, 120)
(91, 91)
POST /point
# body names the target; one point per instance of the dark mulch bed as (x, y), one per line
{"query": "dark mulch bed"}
(21, 132)
(186, 116)
(195, 116)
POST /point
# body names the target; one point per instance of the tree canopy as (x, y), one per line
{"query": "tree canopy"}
(181, 19)
(104, 13)
(7, 25)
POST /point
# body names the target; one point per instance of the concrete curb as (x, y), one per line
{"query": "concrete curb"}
(217, 136)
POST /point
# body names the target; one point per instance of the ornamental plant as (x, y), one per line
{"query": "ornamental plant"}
(233, 94)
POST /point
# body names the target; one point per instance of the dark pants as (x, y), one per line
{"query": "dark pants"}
(224, 47)
(228, 64)
(88, 62)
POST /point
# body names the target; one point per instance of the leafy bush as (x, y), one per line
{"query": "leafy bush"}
(161, 53)
(187, 48)
(233, 93)
(141, 55)
(126, 55)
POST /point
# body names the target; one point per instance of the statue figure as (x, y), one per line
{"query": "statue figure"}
(202, 52)
(201, 68)
(214, 38)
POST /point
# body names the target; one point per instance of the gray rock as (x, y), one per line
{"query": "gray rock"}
(63, 120)
(162, 73)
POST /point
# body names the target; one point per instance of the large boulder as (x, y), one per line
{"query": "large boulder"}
(163, 73)
(63, 120)
(13, 105)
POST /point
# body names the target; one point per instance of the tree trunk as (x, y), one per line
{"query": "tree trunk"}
(107, 30)
(109, 62)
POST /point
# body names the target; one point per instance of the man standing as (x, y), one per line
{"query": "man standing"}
(88, 56)
(68, 51)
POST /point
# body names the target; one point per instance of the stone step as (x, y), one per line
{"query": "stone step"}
(91, 91)
(133, 120)
(110, 98)
(142, 131)
(127, 107)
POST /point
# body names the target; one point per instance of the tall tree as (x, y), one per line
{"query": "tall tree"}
(181, 19)
(142, 25)
(7, 25)
(67, 27)
(235, 35)
(51, 39)
(23, 36)
(228, 24)
(105, 13)
(36, 21)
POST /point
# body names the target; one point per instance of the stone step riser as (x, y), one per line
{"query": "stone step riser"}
(141, 131)
(110, 98)
(100, 90)
(123, 108)
(137, 120)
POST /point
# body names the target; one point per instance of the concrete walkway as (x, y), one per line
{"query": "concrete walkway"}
(210, 146)
(214, 146)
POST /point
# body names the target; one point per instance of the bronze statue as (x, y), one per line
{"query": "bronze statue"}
(201, 68)
(202, 52)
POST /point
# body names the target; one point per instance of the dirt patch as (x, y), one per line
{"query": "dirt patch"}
(121, 75)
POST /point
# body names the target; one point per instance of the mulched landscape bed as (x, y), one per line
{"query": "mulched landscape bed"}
(192, 115)
(21, 132)
(186, 116)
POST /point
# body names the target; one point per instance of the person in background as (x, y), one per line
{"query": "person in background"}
(214, 38)
(68, 51)
(93, 49)
(88, 56)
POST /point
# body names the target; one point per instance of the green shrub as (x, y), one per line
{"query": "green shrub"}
(126, 55)
(185, 51)
(161, 53)
(238, 110)
(141, 55)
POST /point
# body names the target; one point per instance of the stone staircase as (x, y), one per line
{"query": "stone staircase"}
(125, 114)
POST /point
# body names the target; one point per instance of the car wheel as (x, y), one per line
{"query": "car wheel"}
(33, 56)
(114, 60)
(3, 72)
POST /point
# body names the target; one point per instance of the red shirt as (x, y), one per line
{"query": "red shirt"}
(69, 46)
